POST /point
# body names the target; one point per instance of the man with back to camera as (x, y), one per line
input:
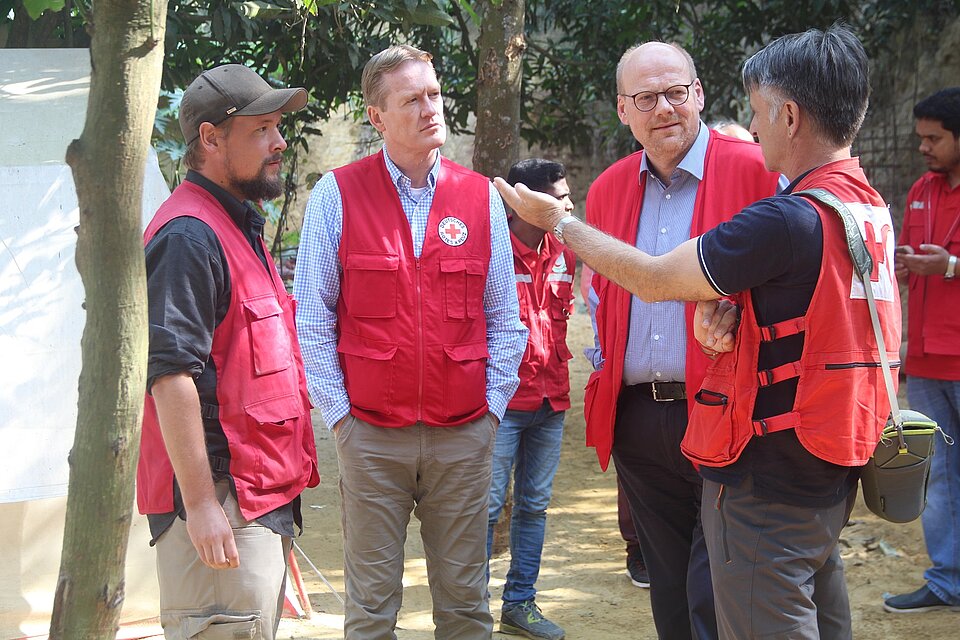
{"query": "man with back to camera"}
(927, 260)
(411, 335)
(227, 442)
(686, 180)
(784, 422)
(531, 432)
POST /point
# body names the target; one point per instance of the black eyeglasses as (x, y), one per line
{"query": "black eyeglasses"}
(647, 100)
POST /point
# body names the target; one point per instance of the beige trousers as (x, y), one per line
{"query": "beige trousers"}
(200, 603)
(442, 475)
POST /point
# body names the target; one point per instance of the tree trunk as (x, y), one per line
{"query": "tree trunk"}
(499, 70)
(108, 163)
(497, 142)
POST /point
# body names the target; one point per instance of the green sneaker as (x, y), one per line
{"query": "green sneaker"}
(525, 619)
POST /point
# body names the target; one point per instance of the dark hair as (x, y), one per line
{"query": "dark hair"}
(825, 72)
(944, 106)
(536, 173)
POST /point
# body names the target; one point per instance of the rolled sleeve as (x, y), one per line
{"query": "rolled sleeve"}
(506, 335)
(316, 287)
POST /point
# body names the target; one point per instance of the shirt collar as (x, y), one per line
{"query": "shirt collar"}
(401, 181)
(241, 212)
(693, 162)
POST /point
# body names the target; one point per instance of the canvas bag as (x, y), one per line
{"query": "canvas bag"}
(894, 480)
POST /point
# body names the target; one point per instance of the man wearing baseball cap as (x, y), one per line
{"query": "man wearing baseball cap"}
(227, 443)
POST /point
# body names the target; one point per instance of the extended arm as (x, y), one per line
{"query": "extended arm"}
(674, 276)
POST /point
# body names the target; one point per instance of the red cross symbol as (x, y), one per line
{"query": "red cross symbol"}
(453, 231)
(876, 249)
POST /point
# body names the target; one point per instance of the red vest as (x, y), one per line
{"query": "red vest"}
(613, 205)
(546, 301)
(933, 348)
(264, 408)
(413, 337)
(841, 403)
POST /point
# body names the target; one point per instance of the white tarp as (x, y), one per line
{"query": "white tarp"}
(43, 99)
(43, 96)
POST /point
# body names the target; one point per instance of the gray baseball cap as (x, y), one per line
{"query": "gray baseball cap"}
(232, 90)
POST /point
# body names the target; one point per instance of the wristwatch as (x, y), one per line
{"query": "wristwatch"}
(949, 275)
(564, 221)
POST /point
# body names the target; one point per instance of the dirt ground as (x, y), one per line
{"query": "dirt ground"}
(583, 586)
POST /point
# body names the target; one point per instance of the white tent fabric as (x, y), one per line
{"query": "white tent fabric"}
(43, 99)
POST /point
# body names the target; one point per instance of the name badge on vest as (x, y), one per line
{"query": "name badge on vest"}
(452, 231)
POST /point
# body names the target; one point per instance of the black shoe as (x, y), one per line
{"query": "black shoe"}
(637, 572)
(918, 601)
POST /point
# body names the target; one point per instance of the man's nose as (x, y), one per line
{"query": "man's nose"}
(279, 143)
(663, 105)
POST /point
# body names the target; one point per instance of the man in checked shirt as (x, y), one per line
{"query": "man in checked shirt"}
(410, 330)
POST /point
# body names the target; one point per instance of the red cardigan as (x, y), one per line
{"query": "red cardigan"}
(734, 177)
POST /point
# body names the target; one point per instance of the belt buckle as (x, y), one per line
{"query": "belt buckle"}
(656, 396)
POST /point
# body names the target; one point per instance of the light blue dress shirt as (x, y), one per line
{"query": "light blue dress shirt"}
(657, 335)
(316, 286)
(657, 339)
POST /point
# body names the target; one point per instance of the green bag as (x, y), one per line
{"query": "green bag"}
(895, 479)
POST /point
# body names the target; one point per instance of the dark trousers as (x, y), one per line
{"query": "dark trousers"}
(664, 491)
(627, 529)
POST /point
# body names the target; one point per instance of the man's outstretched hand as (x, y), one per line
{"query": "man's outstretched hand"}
(539, 209)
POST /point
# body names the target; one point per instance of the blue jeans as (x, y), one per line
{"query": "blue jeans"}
(940, 400)
(529, 442)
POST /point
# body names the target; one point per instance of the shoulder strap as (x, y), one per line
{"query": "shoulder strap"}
(864, 267)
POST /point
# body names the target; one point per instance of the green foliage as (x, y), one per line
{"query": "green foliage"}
(35, 8)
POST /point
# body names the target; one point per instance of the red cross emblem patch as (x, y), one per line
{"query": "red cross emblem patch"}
(452, 231)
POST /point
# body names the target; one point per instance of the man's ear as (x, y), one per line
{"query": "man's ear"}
(210, 137)
(376, 118)
(791, 115)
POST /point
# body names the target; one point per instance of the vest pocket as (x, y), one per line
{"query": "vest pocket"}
(370, 284)
(269, 340)
(276, 435)
(713, 436)
(463, 282)
(465, 377)
(368, 367)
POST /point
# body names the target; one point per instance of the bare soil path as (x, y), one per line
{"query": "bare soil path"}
(583, 586)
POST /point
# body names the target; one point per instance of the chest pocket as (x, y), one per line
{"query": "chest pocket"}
(463, 281)
(370, 284)
(269, 340)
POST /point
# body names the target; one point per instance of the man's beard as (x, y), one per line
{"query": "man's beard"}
(259, 187)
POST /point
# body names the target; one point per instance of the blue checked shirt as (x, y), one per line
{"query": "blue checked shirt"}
(316, 286)
(657, 339)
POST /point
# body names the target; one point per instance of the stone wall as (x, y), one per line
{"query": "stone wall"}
(926, 58)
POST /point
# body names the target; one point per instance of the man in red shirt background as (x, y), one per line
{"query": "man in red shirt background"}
(529, 437)
(927, 260)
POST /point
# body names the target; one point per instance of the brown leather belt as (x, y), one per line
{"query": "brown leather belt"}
(660, 391)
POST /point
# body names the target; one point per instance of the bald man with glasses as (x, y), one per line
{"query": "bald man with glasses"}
(686, 180)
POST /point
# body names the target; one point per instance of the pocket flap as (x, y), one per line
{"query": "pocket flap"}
(373, 261)
(475, 267)
(365, 347)
(262, 307)
(466, 352)
(452, 265)
(275, 409)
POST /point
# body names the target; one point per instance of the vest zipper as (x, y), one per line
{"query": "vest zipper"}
(420, 357)
(856, 365)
